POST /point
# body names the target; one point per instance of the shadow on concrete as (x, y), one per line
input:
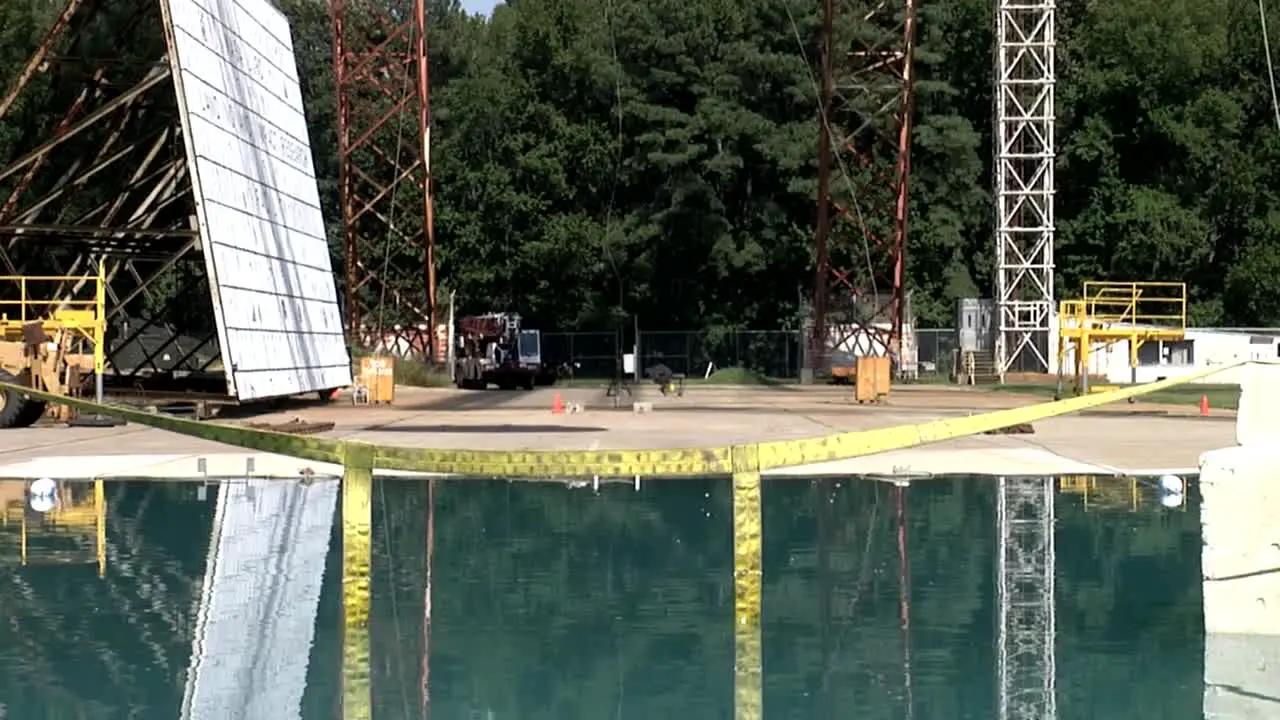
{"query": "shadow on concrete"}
(484, 429)
(249, 411)
(474, 400)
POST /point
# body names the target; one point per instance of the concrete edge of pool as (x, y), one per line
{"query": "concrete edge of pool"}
(915, 463)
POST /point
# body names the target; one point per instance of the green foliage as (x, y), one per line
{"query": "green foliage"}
(737, 376)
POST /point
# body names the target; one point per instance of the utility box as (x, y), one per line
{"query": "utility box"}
(377, 381)
(975, 327)
(874, 375)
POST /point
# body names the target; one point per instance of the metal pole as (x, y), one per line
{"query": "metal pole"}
(424, 131)
(99, 352)
(818, 342)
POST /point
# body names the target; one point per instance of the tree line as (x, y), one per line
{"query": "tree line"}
(597, 160)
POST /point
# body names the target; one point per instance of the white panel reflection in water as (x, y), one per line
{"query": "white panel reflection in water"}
(257, 614)
(261, 229)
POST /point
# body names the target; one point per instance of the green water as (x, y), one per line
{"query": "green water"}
(559, 604)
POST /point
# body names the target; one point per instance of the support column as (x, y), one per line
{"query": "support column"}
(1240, 526)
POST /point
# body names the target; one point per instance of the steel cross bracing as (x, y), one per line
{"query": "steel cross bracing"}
(1026, 626)
(99, 173)
(380, 67)
(864, 162)
(1024, 146)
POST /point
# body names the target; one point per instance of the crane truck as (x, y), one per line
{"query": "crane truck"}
(493, 349)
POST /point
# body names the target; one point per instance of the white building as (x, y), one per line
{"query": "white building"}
(1201, 348)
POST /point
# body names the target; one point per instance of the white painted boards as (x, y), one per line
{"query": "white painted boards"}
(275, 302)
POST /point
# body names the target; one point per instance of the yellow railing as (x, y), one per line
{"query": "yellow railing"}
(1114, 493)
(71, 303)
(78, 516)
(1122, 306)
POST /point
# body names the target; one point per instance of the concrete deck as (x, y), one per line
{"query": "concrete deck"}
(1127, 439)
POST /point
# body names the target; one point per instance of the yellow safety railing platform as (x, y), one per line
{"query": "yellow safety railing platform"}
(74, 304)
(1114, 494)
(1110, 312)
(73, 514)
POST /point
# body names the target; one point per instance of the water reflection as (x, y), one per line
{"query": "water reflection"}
(549, 602)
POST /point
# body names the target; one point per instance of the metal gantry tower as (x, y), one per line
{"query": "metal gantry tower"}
(1025, 76)
(864, 165)
(1026, 627)
(384, 174)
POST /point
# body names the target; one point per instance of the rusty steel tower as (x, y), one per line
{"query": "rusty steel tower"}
(384, 170)
(864, 163)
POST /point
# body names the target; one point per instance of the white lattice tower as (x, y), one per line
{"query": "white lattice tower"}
(1025, 75)
(1027, 673)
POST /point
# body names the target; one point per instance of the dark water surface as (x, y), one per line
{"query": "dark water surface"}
(550, 603)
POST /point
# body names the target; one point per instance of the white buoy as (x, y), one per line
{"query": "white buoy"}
(1171, 500)
(43, 493)
(1171, 484)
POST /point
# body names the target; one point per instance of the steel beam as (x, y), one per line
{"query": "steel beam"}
(864, 163)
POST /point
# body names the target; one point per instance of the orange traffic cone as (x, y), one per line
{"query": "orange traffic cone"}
(557, 405)
(1204, 406)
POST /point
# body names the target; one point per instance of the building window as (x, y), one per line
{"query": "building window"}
(1182, 352)
(1149, 354)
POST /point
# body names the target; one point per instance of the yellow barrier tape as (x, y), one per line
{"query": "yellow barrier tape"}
(100, 524)
(844, 446)
(684, 462)
(555, 463)
(748, 567)
(299, 446)
(357, 529)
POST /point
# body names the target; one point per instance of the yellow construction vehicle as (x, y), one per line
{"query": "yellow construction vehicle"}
(1113, 312)
(72, 529)
(52, 338)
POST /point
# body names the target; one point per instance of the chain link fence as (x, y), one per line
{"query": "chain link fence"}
(770, 353)
(935, 353)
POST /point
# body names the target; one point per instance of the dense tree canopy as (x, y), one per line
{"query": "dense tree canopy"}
(661, 156)
(596, 159)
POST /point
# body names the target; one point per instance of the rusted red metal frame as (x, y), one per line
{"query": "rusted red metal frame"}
(885, 70)
(372, 64)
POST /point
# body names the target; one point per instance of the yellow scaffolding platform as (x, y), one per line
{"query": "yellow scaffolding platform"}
(79, 511)
(58, 314)
(1124, 494)
(1111, 312)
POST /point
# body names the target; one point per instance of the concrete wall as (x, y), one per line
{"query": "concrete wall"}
(1240, 516)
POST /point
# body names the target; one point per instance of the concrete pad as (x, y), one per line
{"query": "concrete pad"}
(1069, 445)
(1242, 677)
(1240, 487)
